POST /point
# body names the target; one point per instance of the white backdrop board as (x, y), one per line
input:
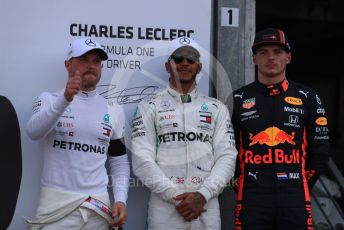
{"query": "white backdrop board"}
(34, 38)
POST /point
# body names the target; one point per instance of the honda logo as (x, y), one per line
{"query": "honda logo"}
(293, 119)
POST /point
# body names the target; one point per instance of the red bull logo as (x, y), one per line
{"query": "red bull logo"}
(272, 136)
(277, 156)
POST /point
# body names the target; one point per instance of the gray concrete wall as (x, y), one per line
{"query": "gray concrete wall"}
(232, 49)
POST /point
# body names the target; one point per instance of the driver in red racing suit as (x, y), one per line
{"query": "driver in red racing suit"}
(282, 139)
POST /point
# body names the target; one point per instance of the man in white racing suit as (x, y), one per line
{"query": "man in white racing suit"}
(183, 147)
(79, 130)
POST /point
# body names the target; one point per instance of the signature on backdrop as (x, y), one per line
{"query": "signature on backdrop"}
(127, 95)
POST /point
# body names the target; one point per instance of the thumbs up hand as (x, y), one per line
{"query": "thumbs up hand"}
(73, 86)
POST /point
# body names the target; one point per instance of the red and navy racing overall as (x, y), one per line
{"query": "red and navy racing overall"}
(283, 143)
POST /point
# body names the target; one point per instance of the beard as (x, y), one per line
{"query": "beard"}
(187, 81)
(89, 80)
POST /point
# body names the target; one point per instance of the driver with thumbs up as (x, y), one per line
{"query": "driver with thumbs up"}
(79, 131)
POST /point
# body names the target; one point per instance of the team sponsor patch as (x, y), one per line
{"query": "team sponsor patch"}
(321, 121)
(167, 117)
(293, 100)
(253, 175)
(282, 176)
(61, 133)
(321, 111)
(215, 105)
(184, 137)
(64, 124)
(138, 134)
(321, 130)
(67, 111)
(196, 180)
(190, 180)
(75, 146)
(165, 105)
(321, 137)
(293, 110)
(272, 136)
(248, 113)
(293, 121)
(138, 128)
(304, 93)
(106, 131)
(185, 98)
(106, 118)
(204, 107)
(205, 119)
(137, 113)
(164, 126)
(205, 127)
(254, 116)
(37, 106)
(180, 180)
(239, 95)
(249, 103)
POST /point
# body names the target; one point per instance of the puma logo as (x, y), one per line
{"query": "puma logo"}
(239, 95)
(254, 175)
(300, 91)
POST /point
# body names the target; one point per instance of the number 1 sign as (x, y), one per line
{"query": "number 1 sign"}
(230, 17)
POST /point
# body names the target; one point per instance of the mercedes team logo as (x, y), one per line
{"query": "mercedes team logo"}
(89, 42)
(165, 105)
(184, 41)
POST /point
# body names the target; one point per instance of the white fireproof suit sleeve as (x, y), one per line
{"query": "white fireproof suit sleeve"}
(225, 155)
(120, 172)
(144, 147)
(46, 111)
